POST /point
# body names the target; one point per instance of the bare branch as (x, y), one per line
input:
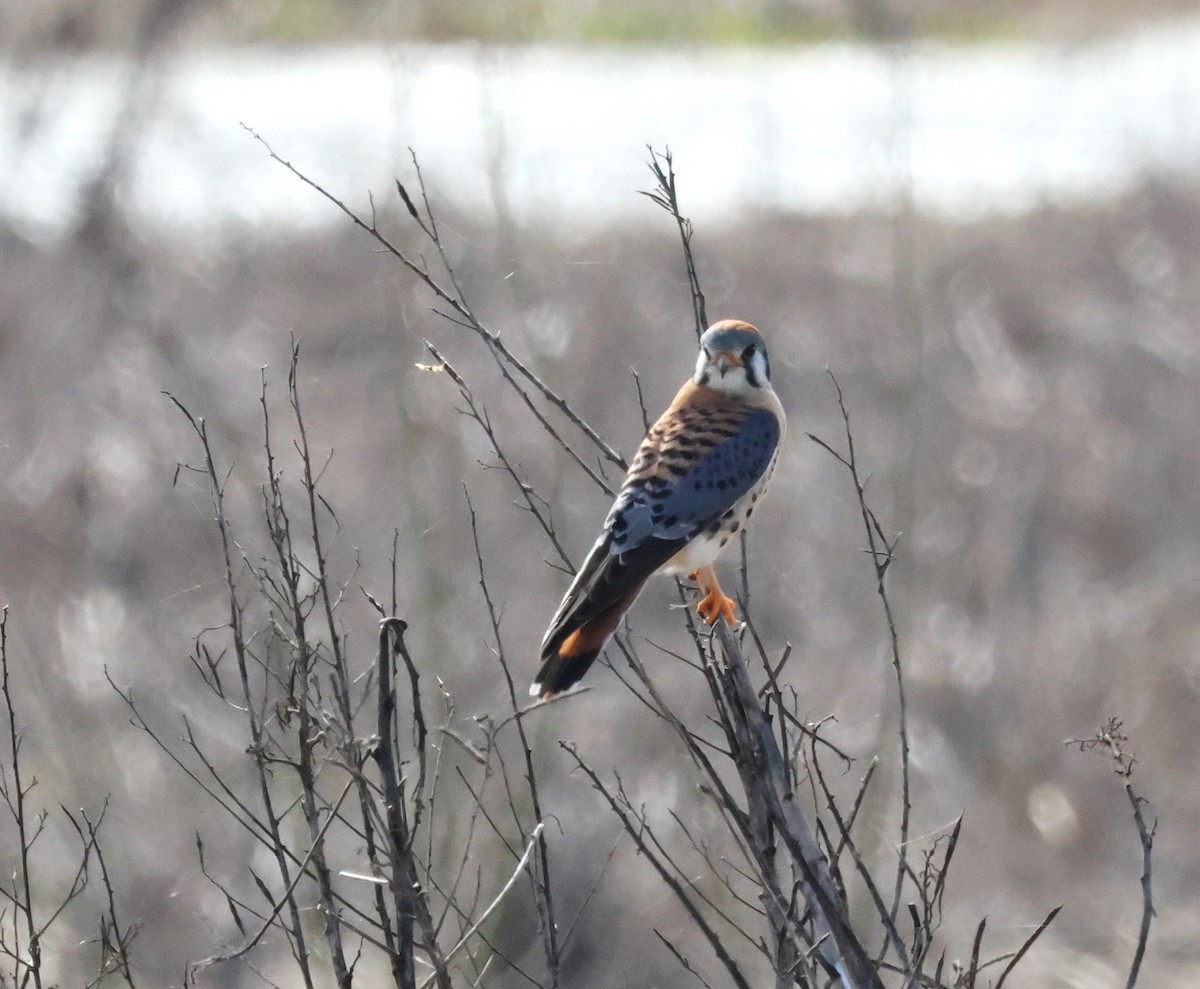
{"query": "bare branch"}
(664, 195)
(881, 552)
(1110, 738)
(1029, 944)
(281, 901)
(543, 895)
(836, 942)
(521, 865)
(1146, 836)
(450, 298)
(635, 831)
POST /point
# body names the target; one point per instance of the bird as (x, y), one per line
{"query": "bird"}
(696, 479)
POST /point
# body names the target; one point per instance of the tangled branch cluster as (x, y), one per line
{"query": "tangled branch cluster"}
(365, 752)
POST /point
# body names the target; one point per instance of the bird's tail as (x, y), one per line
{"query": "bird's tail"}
(567, 655)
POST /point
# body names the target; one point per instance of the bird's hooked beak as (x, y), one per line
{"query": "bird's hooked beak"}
(723, 360)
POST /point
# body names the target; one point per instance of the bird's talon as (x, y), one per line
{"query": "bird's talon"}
(716, 605)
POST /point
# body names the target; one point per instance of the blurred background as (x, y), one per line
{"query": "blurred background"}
(983, 218)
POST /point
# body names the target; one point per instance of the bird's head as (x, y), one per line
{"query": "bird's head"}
(733, 358)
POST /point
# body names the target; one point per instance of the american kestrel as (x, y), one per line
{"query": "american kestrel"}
(696, 479)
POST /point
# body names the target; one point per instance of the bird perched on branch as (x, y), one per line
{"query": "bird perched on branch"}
(697, 478)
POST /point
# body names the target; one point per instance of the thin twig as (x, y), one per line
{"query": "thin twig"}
(479, 414)
(664, 195)
(243, 658)
(450, 298)
(479, 922)
(15, 796)
(294, 610)
(846, 841)
(881, 559)
(1146, 836)
(541, 880)
(1110, 738)
(1029, 944)
(281, 901)
(636, 830)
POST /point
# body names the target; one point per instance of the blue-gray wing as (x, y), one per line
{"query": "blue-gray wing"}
(694, 470)
(694, 464)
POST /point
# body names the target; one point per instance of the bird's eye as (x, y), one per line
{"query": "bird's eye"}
(748, 353)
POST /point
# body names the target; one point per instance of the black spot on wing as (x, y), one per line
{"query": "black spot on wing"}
(679, 507)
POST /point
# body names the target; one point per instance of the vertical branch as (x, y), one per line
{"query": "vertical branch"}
(1111, 738)
(837, 943)
(276, 842)
(1146, 837)
(321, 572)
(390, 632)
(114, 938)
(882, 552)
(356, 757)
(27, 961)
(541, 874)
(301, 678)
(786, 953)
(845, 841)
(410, 904)
(664, 195)
(22, 894)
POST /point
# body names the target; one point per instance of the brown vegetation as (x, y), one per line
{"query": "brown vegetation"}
(1025, 401)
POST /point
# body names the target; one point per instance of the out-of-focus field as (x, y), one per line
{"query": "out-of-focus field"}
(1025, 393)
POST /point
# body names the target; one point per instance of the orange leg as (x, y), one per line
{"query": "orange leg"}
(714, 604)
